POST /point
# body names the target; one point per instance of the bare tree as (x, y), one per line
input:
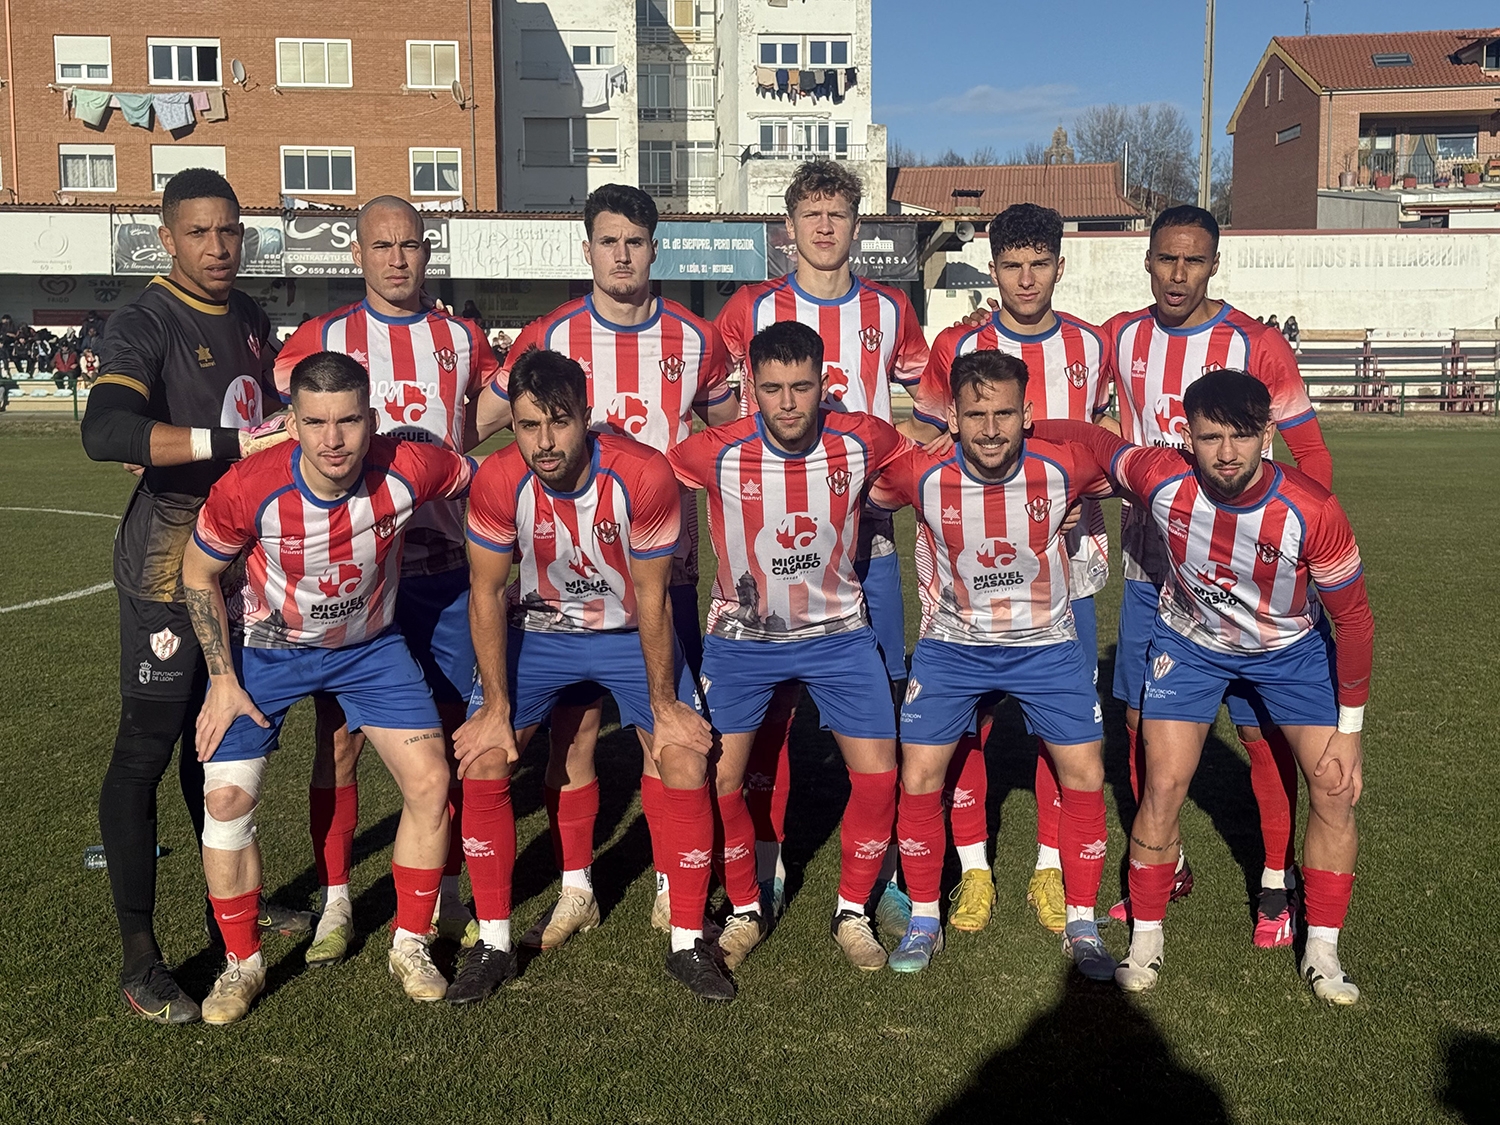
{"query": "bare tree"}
(1034, 152)
(1161, 149)
(984, 154)
(899, 155)
(1220, 185)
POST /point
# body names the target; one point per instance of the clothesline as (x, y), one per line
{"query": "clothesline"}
(806, 82)
(173, 111)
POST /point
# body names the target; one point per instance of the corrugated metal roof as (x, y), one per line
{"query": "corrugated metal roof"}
(1347, 62)
(1078, 191)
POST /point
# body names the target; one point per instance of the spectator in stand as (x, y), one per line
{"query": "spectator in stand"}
(1272, 322)
(43, 348)
(88, 367)
(64, 365)
(500, 341)
(20, 350)
(471, 312)
(1292, 333)
(7, 344)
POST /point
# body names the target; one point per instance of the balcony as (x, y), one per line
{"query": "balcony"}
(674, 113)
(802, 152)
(691, 188)
(671, 36)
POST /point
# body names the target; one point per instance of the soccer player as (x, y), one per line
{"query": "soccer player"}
(322, 522)
(186, 371)
(1157, 354)
(1248, 541)
(784, 499)
(1066, 360)
(426, 368)
(871, 338)
(997, 618)
(651, 366)
(589, 524)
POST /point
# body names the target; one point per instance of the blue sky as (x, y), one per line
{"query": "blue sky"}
(1001, 73)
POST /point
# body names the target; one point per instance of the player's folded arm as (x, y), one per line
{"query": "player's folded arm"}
(116, 425)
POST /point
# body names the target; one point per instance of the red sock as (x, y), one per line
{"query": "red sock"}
(1326, 895)
(866, 832)
(767, 778)
(490, 847)
(734, 844)
(919, 826)
(572, 813)
(967, 790)
(688, 824)
(1150, 887)
(239, 922)
(1048, 799)
(333, 815)
(1273, 778)
(654, 809)
(416, 890)
(1137, 761)
(1082, 837)
(455, 861)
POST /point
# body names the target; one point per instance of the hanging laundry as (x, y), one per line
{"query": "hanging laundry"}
(618, 82)
(90, 106)
(136, 108)
(200, 101)
(595, 84)
(173, 111)
(851, 74)
(782, 78)
(765, 76)
(806, 81)
(217, 110)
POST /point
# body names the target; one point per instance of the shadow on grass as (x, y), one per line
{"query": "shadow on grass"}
(1471, 1063)
(1093, 1052)
(817, 791)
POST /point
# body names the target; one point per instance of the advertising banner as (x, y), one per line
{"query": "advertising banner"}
(318, 246)
(54, 243)
(138, 249)
(530, 249)
(710, 252)
(881, 252)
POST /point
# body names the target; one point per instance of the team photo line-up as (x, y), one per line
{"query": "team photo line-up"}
(444, 609)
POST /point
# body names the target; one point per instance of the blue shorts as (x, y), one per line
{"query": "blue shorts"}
(1186, 681)
(1052, 683)
(1087, 622)
(541, 667)
(377, 684)
(843, 673)
(432, 612)
(880, 577)
(1138, 619)
(689, 644)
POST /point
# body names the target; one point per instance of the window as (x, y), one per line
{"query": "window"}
(1267, 100)
(595, 141)
(801, 139)
(656, 166)
(1289, 134)
(585, 54)
(434, 171)
(666, 13)
(168, 160)
(1457, 146)
(676, 91)
(329, 170)
(312, 62)
(560, 142)
(700, 88)
(1492, 55)
(780, 52)
(828, 52)
(182, 62)
(86, 167)
(697, 160)
(1392, 58)
(81, 58)
(655, 91)
(431, 66)
(1281, 83)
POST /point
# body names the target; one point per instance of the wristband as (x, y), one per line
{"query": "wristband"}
(203, 449)
(226, 443)
(1351, 719)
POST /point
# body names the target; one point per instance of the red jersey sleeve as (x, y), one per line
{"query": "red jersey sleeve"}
(909, 359)
(1333, 562)
(1106, 373)
(226, 522)
(655, 507)
(930, 400)
(435, 473)
(529, 337)
(1274, 364)
(305, 341)
(1133, 468)
(735, 326)
(485, 365)
(1086, 475)
(713, 377)
(692, 461)
(896, 486)
(885, 442)
(492, 502)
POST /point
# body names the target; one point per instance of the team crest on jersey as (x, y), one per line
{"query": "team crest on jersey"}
(241, 407)
(543, 529)
(870, 338)
(1161, 666)
(1038, 508)
(1268, 552)
(838, 382)
(1078, 374)
(446, 358)
(340, 579)
(628, 415)
(1171, 420)
(994, 552)
(405, 402)
(607, 531)
(385, 526)
(1212, 366)
(672, 367)
(165, 644)
(839, 481)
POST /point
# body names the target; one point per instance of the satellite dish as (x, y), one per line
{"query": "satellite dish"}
(237, 69)
(458, 92)
(965, 231)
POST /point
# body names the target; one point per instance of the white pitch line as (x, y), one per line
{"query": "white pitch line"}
(63, 512)
(86, 591)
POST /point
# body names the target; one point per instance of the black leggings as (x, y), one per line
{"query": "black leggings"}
(149, 729)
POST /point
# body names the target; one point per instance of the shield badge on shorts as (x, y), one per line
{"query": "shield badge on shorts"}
(165, 644)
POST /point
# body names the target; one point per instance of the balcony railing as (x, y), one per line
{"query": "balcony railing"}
(674, 113)
(694, 187)
(805, 152)
(667, 36)
(1427, 170)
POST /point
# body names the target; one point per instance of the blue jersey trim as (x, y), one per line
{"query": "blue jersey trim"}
(658, 553)
(1351, 580)
(1289, 423)
(588, 303)
(488, 544)
(207, 550)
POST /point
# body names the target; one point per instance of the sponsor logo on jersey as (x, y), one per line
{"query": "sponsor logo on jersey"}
(993, 556)
(253, 344)
(1078, 374)
(241, 407)
(405, 401)
(1268, 552)
(165, 644)
(1161, 666)
(588, 368)
(993, 552)
(1177, 527)
(340, 579)
(1038, 508)
(672, 367)
(839, 480)
(1170, 420)
(360, 358)
(589, 583)
(749, 490)
(1138, 367)
(607, 531)
(628, 415)
(205, 357)
(797, 532)
(952, 515)
(143, 673)
(1215, 584)
(291, 544)
(447, 358)
(870, 338)
(543, 530)
(838, 382)
(912, 847)
(385, 526)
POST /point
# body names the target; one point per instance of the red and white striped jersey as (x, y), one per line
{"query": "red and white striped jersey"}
(1069, 378)
(645, 381)
(571, 551)
(423, 368)
(992, 566)
(870, 338)
(322, 573)
(1152, 365)
(785, 526)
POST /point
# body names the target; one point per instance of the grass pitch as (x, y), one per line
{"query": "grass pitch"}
(997, 1029)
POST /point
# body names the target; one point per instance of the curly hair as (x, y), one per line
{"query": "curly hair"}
(1026, 226)
(818, 178)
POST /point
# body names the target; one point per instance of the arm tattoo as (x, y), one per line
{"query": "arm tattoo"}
(1153, 848)
(205, 617)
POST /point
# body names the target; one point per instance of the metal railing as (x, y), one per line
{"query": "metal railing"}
(805, 152)
(666, 36)
(673, 113)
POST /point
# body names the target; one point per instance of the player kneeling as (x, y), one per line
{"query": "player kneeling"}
(996, 618)
(1246, 537)
(588, 523)
(322, 523)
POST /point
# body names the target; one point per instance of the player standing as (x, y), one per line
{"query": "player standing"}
(1158, 353)
(1247, 541)
(426, 369)
(589, 524)
(186, 368)
(651, 365)
(871, 338)
(1067, 361)
(784, 500)
(322, 523)
(997, 618)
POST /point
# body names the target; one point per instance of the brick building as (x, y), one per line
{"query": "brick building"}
(1398, 118)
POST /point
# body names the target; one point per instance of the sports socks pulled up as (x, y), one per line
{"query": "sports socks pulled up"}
(453, 865)
(416, 888)
(734, 844)
(489, 845)
(767, 776)
(1082, 836)
(688, 830)
(967, 789)
(1048, 800)
(924, 840)
(571, 814)
(1326, 896)
(1273, 779)
(654, 809)
(864, 836)
(333, 815)
(239, 922)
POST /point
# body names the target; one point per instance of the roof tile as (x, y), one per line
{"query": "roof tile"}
(1078, 191)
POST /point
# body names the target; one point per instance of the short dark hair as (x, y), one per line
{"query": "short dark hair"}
(788, 342)
(620, 199)
(556, 382)
(1230, 398)
(1186, 215)
(974, 368)
(1024, 226)
(818, 178)
(330, 373)
(194, 183)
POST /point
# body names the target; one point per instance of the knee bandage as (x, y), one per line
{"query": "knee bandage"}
(238, 832)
